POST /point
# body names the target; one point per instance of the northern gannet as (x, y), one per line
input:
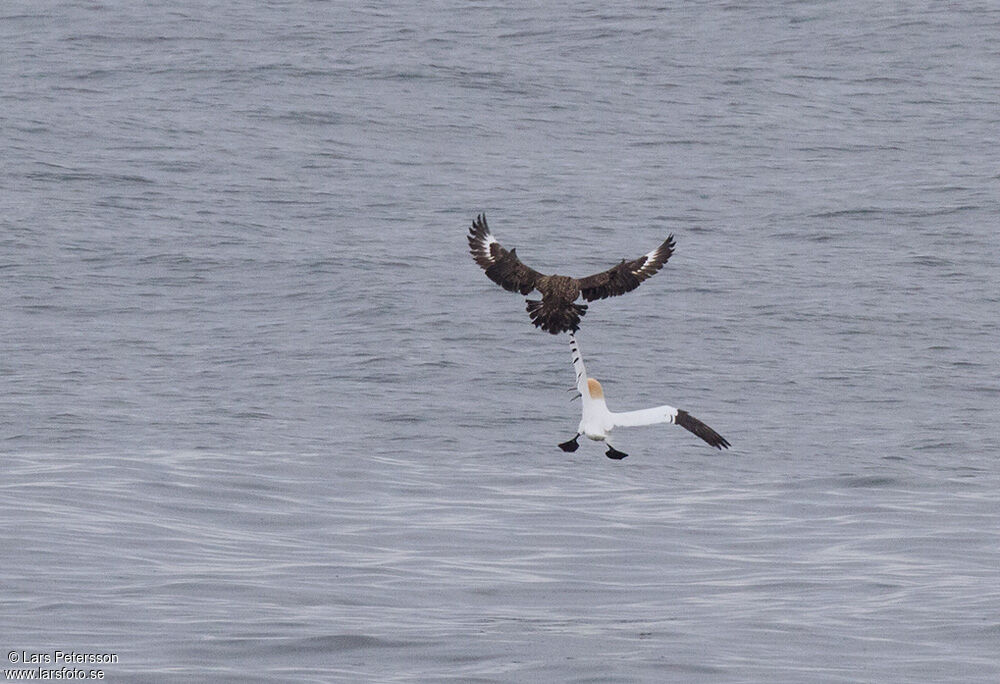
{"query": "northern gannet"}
(597, 421)
(556, 312)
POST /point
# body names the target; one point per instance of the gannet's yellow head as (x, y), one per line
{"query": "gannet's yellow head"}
(595, 389)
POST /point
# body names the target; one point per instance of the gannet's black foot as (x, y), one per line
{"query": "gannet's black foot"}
(615, 454)
(571, 445)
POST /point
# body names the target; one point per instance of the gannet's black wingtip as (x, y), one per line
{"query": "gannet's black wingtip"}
(695, 426)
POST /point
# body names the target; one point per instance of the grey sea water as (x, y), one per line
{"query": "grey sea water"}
(264, 420)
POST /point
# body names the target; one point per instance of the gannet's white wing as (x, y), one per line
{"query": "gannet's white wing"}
(669, 414)
(581, 370)
(650, 416)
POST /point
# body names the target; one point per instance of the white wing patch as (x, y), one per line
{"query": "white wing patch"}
(644, 270)
(484, 247)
